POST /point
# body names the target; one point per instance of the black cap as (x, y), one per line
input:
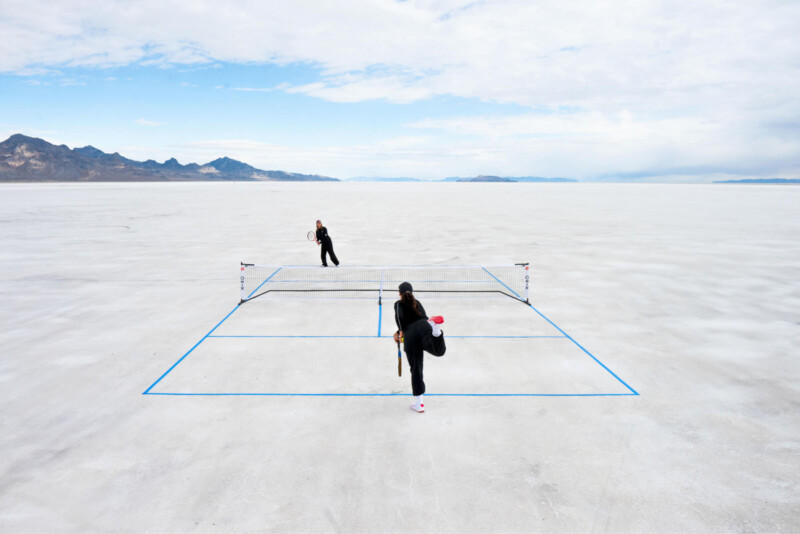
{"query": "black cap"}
(405, 287)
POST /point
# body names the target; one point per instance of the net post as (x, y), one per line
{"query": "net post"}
(527, 281)
(380, 289)
(241, 283)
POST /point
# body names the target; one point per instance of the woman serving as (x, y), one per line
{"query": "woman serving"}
(418, 333)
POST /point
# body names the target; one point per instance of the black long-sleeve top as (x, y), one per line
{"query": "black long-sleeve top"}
(404, 314)
(322, 234)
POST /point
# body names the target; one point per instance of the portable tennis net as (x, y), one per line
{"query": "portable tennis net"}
(373, 282)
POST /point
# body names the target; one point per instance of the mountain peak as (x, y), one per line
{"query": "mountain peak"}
(90, 152)
(226, 164)
(18, 139)
(172, 163)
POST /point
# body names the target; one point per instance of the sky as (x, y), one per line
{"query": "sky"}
(636, 91)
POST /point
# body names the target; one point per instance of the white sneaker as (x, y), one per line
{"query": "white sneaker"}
(435, 322)
(419, 408)
(418, 405)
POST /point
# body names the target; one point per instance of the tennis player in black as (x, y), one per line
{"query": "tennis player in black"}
(327, 245)
(418, 334)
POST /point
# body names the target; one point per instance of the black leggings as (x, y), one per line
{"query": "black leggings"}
(418, 338)
(327, 247)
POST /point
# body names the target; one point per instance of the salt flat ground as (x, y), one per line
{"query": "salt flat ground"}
(688, 293)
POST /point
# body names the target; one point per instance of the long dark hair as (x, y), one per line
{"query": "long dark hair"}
(408, 298)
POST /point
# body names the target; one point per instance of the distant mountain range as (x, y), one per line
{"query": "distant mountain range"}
(29, 159)
(761, 181)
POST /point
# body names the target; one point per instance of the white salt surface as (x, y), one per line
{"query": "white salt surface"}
(688, 293)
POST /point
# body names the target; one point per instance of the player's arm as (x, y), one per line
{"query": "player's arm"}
(398, 311)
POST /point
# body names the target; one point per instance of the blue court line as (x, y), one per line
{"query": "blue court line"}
(380, 316)
(147, 391)
(395, 394)
(174, 365)
(565, 335)
(384, 337)
(633, 391)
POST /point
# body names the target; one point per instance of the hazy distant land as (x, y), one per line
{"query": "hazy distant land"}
(480, 178)
(761, 181)
(484, 178)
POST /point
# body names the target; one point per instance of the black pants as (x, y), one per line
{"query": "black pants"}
(327, 247)
(418, 338)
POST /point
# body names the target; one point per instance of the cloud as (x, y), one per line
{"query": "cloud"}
(145, 122)
(621, 84)
(543, 53)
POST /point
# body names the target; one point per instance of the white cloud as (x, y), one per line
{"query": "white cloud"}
(551, 53)
(145, 122)
(709, 83)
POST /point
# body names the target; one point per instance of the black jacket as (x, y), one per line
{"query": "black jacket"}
(404, 314)
(322, 235)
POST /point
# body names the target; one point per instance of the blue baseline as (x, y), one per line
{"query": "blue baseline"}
(174, 365)
(395, 394)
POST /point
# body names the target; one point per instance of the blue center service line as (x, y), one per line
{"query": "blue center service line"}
(380, 316)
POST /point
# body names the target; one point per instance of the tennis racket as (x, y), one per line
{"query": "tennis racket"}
(399, 361)
(312, 236)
